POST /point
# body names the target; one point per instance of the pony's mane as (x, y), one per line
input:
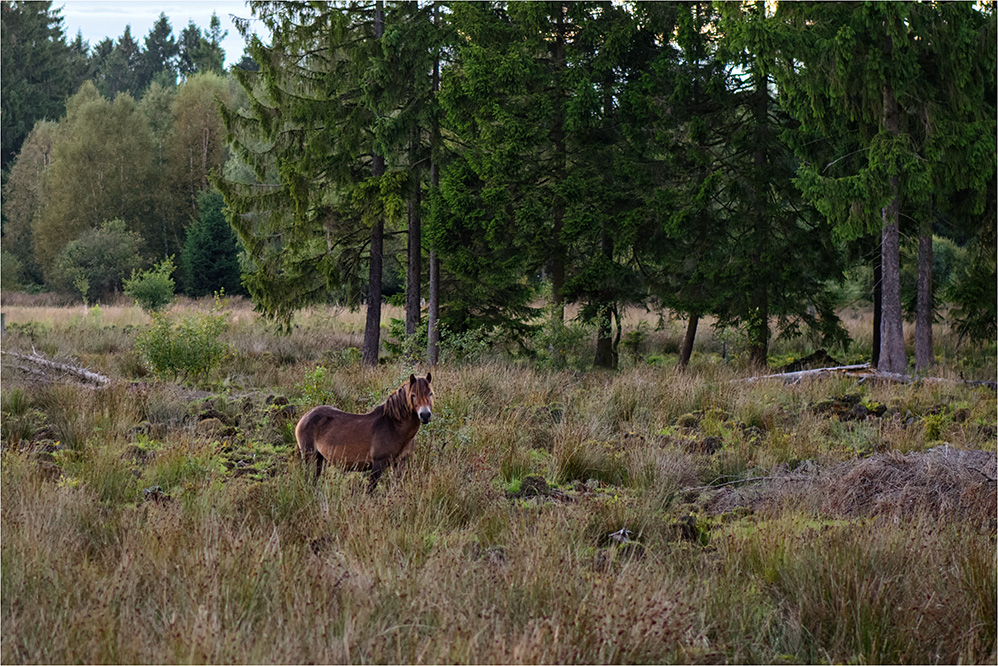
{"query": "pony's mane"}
(397, 406)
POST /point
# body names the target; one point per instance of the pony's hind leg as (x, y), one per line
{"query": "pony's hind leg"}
(313, 461)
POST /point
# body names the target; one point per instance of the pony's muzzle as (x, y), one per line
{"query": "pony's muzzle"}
(424, 415)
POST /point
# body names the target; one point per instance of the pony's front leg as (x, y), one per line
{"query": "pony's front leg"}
(378, 468)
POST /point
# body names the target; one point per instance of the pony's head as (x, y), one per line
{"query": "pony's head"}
(420, 397)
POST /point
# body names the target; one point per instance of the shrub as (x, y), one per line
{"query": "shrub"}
(11, 271)
(97, 261)
(152, 289)
(189, 346)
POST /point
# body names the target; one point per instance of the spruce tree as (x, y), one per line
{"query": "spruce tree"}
(210, 259)
(855, 69)
(159, 59)
(39, 71)
(330, 131)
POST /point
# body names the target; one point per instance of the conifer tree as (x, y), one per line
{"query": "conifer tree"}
(735, 239)
(210, 259)
(330, 134)
(40, 71)
(159, 59)
(604, 213)
(855, 69)
(119, 69)
(505, 98)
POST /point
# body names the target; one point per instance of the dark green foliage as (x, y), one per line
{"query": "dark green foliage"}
(718, 159)
(152, 289)
(501, 210)
(974, 291)
(100, 259)
(159, 59)
(39, 71)
(896, 105)
(328, 137)
(201, 52)
(210, 260)
(117, 67)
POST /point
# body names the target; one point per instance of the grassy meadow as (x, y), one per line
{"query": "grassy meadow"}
(551, 513)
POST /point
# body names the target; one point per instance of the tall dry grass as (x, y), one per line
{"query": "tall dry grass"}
(151, 522)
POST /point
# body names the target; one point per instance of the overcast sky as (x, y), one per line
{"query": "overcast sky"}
(98, 19)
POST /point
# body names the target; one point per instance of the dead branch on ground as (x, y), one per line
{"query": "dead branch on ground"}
(864, 372)
(39, 365)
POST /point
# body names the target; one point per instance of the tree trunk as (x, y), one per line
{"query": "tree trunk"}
(414, 268)
(433, 309)
(372, 327)
(758, 328)
(606, 344)
(878, 300)
(923, 314)
(605, 356)
(892, 353)
(433, 313)
(560, 164)
(686, 351)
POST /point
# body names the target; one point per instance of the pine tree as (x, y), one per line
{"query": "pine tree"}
(604, 213)
(855, 69)
(736, 241)
(201, 52)
(505, 100)
(685, 108)
(120, 69)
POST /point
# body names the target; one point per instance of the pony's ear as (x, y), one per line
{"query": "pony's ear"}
(427, 378)
(412, 379)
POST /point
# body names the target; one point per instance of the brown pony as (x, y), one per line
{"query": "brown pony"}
(371, 441)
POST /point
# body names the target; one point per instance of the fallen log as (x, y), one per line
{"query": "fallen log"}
(77, 372)
(800, 374)
(863, 372)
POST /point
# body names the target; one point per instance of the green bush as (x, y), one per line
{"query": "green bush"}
(152, 289)
(96, 263)
(190, 346)
(11, 271)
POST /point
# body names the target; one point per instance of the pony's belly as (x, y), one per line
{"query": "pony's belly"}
(347, 455)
